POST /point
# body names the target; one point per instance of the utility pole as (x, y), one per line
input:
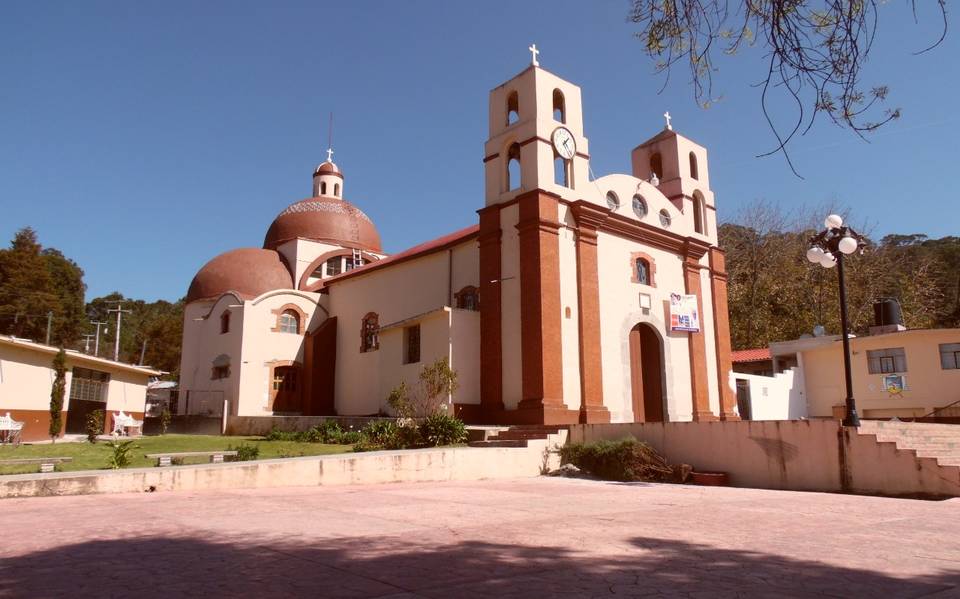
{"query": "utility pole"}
(143, 350)
(49, 323)
(96, 345)
(116, 346)
(86, 343)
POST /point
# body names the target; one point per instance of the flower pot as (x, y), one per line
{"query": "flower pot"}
(710, 479)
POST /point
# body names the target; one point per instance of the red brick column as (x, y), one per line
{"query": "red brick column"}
(540, 318)
(721, 333)
(698, 345)
(589, 218)
(491, 345)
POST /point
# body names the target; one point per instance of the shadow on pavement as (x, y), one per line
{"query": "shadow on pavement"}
(398, 567)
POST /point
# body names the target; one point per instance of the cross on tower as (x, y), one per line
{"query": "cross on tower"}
(533, 55)
(330, 155)
(667, 116)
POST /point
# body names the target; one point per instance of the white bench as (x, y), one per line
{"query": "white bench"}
(122, 422)
(46, 464)
(165, 459)
(10, 430)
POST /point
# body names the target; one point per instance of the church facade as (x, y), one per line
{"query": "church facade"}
(559, 306)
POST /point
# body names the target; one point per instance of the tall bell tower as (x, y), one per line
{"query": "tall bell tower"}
(536, 156)
(536, 137)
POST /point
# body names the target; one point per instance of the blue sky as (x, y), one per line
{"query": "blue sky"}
(142, 140)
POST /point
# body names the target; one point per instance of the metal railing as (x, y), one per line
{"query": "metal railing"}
(933, 413)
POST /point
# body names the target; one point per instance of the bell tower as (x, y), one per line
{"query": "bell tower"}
(536, 137)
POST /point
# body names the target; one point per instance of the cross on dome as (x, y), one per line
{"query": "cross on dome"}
(667, 116)
(329, 154)
(533, 55)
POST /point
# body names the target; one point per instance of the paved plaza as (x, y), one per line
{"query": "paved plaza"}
(516, 538)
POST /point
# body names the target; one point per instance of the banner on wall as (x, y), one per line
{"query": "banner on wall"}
(684, 315)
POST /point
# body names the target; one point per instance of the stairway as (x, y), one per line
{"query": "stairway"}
(927, 440)
(519, 435)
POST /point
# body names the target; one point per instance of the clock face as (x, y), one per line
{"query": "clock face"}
(563, 143)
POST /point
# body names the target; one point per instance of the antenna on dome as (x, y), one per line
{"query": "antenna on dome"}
(330, 139)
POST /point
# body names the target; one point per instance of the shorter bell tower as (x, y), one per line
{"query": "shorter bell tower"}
(536, 137)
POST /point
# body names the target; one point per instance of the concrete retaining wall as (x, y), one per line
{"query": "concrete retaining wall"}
(261, 425)
(799, 455)
(440, 464)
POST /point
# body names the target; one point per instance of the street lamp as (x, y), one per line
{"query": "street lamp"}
(827, 249)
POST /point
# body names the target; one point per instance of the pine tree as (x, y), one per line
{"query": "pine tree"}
(57, 393)
(27, 292)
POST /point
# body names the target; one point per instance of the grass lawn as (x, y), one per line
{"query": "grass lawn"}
(87, 456)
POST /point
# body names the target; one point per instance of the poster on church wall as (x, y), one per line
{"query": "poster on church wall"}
(684, 315)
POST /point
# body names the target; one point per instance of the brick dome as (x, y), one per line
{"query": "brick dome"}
(246, 271)
(327, 219)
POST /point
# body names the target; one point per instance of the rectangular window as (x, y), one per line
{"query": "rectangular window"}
(221, 372)
(89, 385)
(411, 344)
(352, 263)
(950, 356)
(333, 266)
(884, 361)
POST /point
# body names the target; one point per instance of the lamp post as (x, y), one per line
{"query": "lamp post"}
(827, 249)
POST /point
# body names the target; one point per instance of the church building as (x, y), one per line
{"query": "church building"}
(573, 298)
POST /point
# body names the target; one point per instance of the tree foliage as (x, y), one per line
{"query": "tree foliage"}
(57, 393)
(775, 294)
(814, 53)
(159, 324)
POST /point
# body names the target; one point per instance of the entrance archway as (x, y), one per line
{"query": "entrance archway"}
(647, 374)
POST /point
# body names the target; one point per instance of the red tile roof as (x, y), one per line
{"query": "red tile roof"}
(417, 251)
(751, 355)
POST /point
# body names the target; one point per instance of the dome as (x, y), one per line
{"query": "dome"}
(247, 271)
(328, 168)
(325, 219)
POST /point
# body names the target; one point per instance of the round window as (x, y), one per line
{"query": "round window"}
(639, 206)
(665, 218)
(613, 202)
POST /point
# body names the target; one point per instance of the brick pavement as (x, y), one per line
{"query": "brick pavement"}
(515, 538)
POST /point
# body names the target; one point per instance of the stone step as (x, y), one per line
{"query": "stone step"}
(499, 443)
(872, 425)
(518, 435)
(948, 461)
(931, 453)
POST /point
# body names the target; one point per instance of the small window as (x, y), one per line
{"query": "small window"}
(336, 189)
(89, 385)
(350, 263)
(884, 361)
(656, 165)
(561, 170)
(639, 206)
(221, 372)
(370, 333)
(513, 108)
(411, 344)
(665, 218)
(694, 171)
(290, 322)
(698, 216)
(333, 265)
(323, 188)
(225, 322)
(514, 180)
(950, 356)
(643, 271)
(468, 298)
(559, 107)
(613, 202)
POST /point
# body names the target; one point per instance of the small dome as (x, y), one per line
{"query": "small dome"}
(247, 271)
(325, 219)
(328, 168)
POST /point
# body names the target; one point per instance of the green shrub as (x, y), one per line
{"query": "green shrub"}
(380, 432)
(327, 431)
(94, 425)
(624, 460)
(276, 434)
(120, 454)
(245, 453)
(442, 429)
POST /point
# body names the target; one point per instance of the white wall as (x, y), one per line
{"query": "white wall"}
(778, 397)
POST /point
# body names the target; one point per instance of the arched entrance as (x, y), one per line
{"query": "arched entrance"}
(646, 374)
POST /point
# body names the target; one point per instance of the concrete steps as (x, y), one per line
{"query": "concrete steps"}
(521, 435)
(926, 440)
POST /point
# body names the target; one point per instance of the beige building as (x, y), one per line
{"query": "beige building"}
(572, 299)
(26, 380)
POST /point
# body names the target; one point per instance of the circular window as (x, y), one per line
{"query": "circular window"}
(665, 218)
(613, 202)
(639, 206)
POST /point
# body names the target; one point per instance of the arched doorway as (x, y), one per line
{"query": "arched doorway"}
(646, 374)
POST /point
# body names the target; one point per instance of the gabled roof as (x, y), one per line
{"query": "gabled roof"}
(759, 354)
(417, 251)
(79, 358)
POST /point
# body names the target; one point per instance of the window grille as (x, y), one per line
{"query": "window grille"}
(950, 356)
(885, 361)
